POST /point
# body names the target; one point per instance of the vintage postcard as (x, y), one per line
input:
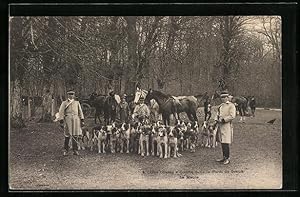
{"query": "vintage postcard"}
(145, 102)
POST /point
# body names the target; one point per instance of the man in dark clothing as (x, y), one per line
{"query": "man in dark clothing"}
(207, 109)
(124, 109)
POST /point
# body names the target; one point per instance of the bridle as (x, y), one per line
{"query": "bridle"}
(139, 93)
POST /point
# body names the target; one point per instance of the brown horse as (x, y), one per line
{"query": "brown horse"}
(189, 104)
(166, 104)
(174, 105)
(97, 101)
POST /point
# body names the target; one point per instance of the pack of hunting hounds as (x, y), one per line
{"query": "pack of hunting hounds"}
(148, 139)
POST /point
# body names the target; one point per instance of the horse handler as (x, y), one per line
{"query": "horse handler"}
(226, 113)
(71, 119)
(141, 111)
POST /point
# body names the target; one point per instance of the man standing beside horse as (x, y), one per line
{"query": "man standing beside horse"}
(71, 119)
(141, 111)
(226, 113)
(124, 110)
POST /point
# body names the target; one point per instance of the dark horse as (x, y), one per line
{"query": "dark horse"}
(166, 104)
(106, 106)
(110, 109)
(241, 103)
(97, 101)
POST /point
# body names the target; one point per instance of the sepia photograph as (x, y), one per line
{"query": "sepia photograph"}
(145, 102)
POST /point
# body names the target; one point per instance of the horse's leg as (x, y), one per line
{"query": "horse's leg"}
(169, 120)
(209, 115)
(241, 113)
(189, 116)
(253, 111)
(164, 119)
(96, 117)
(176, 116)
(194, 114)
(105, 118)
(244, 111)
(113, 117)
(156, 116)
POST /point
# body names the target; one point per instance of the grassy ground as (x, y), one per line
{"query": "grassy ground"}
(36, 162)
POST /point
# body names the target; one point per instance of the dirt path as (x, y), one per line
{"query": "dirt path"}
(36, 162)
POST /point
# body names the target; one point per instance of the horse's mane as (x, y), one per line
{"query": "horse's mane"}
(160, 94)
(202, 95)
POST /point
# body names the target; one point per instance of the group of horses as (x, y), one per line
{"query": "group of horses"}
(159, 104)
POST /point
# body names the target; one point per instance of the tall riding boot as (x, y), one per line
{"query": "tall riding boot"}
(66, 145)
(226, 154)
(75, 145)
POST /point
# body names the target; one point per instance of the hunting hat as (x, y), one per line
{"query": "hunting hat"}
(224, 94)
(70, 92)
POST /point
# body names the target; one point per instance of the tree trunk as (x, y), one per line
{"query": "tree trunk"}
(16, 120)
(47, 108)
(130, 78)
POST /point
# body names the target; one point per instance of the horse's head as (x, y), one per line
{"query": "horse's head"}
(138, 94)
(149, 96)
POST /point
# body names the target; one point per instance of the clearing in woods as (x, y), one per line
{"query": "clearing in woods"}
(36, 162)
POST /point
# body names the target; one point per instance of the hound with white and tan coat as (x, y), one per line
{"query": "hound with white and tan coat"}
(144, 137)
(125, 136)
(163, 140)
(208, 137)
(172, 141)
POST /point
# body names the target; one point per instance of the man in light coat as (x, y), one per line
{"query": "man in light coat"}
(141, 111)
(71, 119)
(226, 113)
